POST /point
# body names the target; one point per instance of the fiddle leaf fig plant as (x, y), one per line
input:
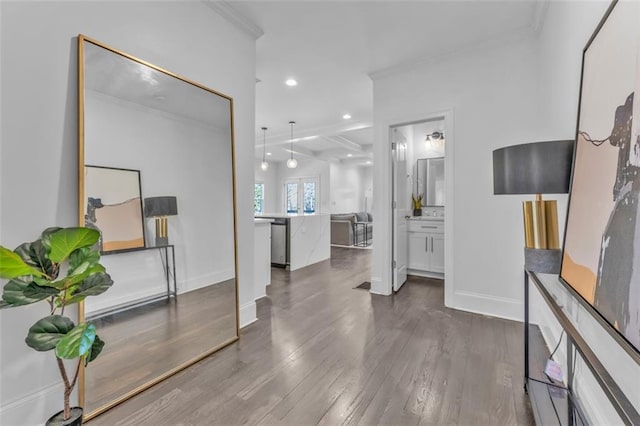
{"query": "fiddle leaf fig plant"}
(33, 274)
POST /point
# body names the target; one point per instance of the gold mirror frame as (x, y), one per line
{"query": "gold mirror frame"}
(81, 212)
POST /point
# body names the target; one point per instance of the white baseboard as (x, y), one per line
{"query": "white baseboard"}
(205, 280)
(248, 314)
(34, 408)
(425, 274)
(484, 304)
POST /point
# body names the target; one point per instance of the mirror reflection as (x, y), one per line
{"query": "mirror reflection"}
(158, 185)
(430, 181)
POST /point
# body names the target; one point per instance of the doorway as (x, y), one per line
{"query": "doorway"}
(421, 167)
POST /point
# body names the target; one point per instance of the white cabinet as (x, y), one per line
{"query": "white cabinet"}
(426, 246)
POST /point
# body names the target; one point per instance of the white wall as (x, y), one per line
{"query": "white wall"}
(271, 187)
(567, 28)
(349, 183)
(493, 98)
(306, 168)
(39, 133)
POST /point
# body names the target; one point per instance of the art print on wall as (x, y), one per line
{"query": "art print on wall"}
(601, 259)
(114, 207)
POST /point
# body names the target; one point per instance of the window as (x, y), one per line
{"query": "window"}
(258, 198)
(292, 197)
(301, 195)
(309, 197)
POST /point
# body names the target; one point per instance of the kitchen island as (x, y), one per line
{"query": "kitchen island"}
(307, 238)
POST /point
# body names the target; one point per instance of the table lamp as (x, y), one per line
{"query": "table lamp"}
(536, 168)
(159, 208)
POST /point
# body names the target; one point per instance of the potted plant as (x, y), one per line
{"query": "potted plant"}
(33, 271)
(417, 204)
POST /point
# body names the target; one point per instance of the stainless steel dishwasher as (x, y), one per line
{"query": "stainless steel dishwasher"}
(280, 242)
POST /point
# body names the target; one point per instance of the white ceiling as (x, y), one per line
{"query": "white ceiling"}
(119, 77)
(334, 48)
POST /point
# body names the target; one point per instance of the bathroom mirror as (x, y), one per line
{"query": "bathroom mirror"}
(156, 178)
(430, 181)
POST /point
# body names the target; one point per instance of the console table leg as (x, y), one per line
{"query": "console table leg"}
(526, 330)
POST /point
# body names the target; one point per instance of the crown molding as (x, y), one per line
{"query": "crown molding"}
(228, 12)
(503, 39)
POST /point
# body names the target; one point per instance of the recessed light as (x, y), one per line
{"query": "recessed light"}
(291, 82)
(268, 153)
(368, 162)
(349, 155)
(346, 116)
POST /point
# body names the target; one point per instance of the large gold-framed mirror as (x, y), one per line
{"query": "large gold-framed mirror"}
(157, 179)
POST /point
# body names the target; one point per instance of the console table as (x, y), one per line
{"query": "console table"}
(169, 274)
(554, 404)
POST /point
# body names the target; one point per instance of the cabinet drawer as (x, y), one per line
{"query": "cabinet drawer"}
(431, 226)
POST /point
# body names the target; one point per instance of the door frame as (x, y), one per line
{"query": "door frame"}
(382, 257)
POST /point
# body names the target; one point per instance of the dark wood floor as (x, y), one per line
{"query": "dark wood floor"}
(145, 342)
(325, 353)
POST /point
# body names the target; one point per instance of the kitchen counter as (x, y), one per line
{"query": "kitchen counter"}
(309, 238)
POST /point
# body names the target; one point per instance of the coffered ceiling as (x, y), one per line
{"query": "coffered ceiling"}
(335, 48)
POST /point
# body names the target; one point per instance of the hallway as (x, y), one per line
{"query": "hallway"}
(325, 353)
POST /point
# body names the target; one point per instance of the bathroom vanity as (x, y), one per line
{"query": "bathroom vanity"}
(426, 246)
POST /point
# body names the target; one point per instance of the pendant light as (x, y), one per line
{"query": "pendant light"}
(292, 163)
(264, 164)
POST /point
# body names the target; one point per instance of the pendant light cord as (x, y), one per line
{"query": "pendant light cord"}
(291, 123)
(264, 144)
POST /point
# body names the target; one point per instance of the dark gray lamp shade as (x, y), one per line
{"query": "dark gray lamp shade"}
(160, 206)
(533, 168)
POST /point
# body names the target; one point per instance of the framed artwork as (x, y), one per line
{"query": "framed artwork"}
(601, 259)
(114, 207)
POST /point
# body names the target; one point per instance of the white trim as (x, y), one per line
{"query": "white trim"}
(381, 283)
(425, 274)
(494, 306)
(228, 12)
(248, 314)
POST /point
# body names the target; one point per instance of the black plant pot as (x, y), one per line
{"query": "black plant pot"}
(74, 420)
(417, 212)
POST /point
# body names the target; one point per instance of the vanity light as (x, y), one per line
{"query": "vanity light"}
(291, 82)
(264, 164)
(292, 163)
(347, 116)
(435, 140)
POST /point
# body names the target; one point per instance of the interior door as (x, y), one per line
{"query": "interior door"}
(400, 209)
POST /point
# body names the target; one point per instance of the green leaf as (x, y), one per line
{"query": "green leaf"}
(65, 241)
(77, 342)
(12, 265)
(4, 304)
(45, 237)
(35, 254)
(18, 292)
(94, 285)
(71, 282)
(45, 334)
(95, 350)
(82, 256)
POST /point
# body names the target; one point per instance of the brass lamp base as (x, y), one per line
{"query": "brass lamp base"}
(541, 224)
(162, 231)
(542, 246)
